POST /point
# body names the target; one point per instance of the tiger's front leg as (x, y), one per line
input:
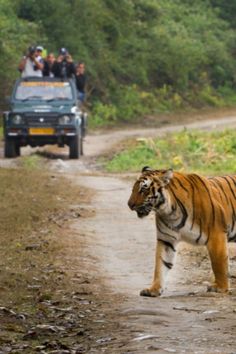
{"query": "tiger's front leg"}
(165, 255)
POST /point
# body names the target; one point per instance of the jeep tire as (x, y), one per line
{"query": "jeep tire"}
(10, 149)
(17, 150)
(75, 146)
(81, 146)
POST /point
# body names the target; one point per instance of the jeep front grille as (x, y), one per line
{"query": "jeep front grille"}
(41, 120)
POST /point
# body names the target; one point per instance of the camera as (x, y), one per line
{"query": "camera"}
(63, 52)
(31, 52)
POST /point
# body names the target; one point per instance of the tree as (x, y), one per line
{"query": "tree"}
(15, 37)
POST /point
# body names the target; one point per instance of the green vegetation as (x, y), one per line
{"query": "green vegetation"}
(206, 153)
(31, 162)
(15, 35)
(143, 56)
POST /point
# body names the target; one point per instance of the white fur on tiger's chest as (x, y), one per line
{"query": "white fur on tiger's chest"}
(193, 235)
(232, 234)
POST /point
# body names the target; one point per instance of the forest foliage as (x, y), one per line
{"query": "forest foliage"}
(142, 56)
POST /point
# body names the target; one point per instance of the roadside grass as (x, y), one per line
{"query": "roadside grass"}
(34, 207)
(31, 162)
(208, 153)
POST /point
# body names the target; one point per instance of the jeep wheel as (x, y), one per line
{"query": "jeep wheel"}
(10, 149)
(81, 146)
(83, 125)
(74, 147)
(17, 150)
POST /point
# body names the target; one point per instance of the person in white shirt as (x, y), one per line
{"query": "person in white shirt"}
(31, 64)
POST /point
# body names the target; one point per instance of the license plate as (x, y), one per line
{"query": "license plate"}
(41, 131)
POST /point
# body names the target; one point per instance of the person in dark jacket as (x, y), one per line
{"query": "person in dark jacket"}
(48, 64)
(80, 80)
(64, 66)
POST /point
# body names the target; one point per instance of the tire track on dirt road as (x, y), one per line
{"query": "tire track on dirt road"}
(99, 143)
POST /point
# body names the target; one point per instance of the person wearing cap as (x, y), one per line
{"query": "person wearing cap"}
(30, 65)
(64, 66)
(38, 53)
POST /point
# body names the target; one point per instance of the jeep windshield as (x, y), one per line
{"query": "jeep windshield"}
(43, 90)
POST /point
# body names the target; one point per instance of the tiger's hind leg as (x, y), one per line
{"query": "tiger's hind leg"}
(165, 254)
(218, 252)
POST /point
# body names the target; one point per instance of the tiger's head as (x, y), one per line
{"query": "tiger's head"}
(149, 191)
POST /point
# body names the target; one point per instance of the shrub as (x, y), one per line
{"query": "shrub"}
(103, 115)
(207, 153)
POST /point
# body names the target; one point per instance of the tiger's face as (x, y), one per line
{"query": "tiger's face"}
(149, 191)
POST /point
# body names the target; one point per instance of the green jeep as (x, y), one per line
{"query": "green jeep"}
(44, 111)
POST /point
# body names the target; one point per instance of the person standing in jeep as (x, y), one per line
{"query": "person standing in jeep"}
(48, 64)
(64, 66)
(80, 80)
(31, 65)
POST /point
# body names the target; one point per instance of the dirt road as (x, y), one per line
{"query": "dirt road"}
(119, 258)
(185, 319)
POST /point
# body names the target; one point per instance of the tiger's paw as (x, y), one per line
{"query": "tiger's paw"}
(151, 292)
(216, 289)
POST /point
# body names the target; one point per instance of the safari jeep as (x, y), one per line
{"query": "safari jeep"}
(44, 111)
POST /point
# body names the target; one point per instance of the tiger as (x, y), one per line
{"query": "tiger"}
(191, 208)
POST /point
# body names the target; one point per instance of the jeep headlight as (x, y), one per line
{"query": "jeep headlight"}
(65, 119)
(17, 119)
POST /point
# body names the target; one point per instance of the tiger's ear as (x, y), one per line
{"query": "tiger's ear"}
(167, 176)
(146, 168)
